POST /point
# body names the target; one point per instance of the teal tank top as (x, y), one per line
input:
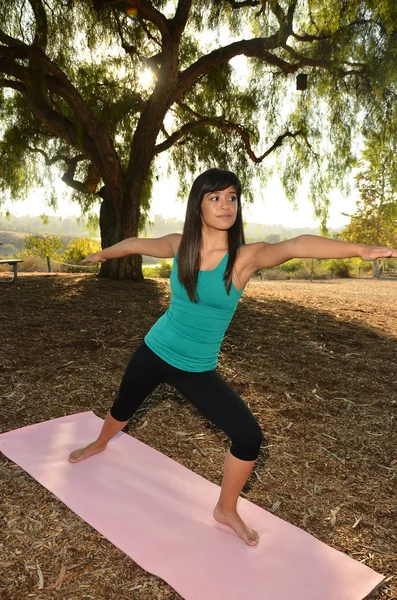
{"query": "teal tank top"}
(189, 335)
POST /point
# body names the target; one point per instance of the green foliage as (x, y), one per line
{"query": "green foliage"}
(44, 219)
(8, 250)
(77, 86)
(80, 248)
(308, 268)
(291, 266)
(339, 268)
(92, 225)
(375, 219)
(163, 269)
(46, 245)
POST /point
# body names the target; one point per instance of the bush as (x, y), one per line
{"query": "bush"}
(45, 245)
(275, 274)
(303, 273)
(291, 266)
(32, 264)
(149, 271)
(163, 269)
(339, 268)
(9, 250)
(80, 248)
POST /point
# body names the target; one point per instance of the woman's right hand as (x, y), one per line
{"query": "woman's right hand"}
(93, 258)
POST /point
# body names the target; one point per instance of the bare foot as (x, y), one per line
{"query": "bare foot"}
(233, 520)
(83, 453)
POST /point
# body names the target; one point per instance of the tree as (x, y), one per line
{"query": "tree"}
(43, 246)
(99, 96)
(375, 219)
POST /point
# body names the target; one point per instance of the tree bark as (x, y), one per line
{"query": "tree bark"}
(112, 231)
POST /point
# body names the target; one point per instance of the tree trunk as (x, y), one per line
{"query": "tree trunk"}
(113, 230)
(120, 220)
(375, 268)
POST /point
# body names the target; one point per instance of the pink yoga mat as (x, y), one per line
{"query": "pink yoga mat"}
(160, 514)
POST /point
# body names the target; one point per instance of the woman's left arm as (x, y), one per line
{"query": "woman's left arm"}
(314, 246)
(266, 255)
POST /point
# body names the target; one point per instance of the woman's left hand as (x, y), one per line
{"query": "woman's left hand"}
(374, 252)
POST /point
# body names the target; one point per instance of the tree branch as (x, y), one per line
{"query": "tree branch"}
(310, 38)
(278, 11)
(254, 48)
(146, 10)
(178, 23)
(89, 185)
(12, 68)
(245, 3)
(51, 161)
(225, 126)
(319, 62)
(6, 39)
(150, 36)
(306, 37)
(95, 141)
(189, 110)
(15, 85)
(40, 38)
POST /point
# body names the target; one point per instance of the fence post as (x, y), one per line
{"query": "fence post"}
(48, 264)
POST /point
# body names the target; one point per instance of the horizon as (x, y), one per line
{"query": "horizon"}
(263, 211)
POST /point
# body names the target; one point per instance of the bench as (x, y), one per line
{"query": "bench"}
(14, 262)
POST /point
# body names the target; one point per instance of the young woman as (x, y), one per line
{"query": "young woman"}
(211, 268)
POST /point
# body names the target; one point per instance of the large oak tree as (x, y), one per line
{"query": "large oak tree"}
(76, 98)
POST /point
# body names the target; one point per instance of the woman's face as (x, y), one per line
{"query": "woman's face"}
(219, 209)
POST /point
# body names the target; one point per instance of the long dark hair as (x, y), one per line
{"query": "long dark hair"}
(189, 250)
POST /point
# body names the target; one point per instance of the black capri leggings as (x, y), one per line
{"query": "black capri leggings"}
(207, 391)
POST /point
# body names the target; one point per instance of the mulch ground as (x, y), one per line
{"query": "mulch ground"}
(315, 361)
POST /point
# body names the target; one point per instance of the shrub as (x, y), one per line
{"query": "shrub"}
(339, 267)
(42, 245)
(291, 266)
(80, 248)
(303, 273)
(9, 250)
(150, 271)
(163, 269)
(32, 264)
(275, 274)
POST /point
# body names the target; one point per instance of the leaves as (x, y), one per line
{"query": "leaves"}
(43, 246)
(90, 96)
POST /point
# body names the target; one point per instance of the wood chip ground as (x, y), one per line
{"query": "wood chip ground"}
(315, 361)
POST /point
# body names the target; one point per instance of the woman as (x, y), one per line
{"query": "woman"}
(211, 268)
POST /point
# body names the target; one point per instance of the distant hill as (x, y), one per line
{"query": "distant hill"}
(69, 227)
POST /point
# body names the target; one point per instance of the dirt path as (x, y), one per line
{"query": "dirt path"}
(316, 363)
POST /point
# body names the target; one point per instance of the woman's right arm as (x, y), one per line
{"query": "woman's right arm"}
(163, 247)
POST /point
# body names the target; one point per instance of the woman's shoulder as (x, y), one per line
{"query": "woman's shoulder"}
(247, 251)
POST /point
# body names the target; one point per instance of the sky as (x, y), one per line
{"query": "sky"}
(271, 207)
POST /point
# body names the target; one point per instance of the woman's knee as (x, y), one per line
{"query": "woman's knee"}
(247, 443)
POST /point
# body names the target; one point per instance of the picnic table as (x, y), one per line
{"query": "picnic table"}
(14, 262)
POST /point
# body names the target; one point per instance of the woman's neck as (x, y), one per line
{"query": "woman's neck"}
(213, 240)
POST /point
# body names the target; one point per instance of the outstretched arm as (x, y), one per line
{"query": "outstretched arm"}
(163, 247)
(313, 246)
